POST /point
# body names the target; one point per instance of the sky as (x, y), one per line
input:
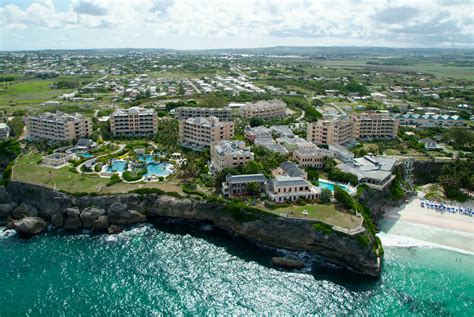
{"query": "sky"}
(207, 24)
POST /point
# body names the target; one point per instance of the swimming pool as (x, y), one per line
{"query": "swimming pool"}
(87, 155)
(158, 169)
(117, 166)
(147, 158)
(324, 184)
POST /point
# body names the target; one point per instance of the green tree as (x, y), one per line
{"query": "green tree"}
(326, 195)
(252, 188)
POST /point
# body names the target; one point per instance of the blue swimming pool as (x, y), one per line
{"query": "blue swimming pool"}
(87, 155)
(327, 185)
(117, 166)
(157, 169)
(147, 158)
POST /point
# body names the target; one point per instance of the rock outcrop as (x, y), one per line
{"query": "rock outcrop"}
(24, 210)
(30, 225)
(287, 263)
(114, 212)
(89, 215)
(72, 218)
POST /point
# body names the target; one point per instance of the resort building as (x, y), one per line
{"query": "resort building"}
(375, 126)
(230, 154)
(257, 132)
(374, 171)
(311, 157)
(134, 121)
(292, 144)
(429, 120)
(4, 130)
(223, 114)
(57, 159)
(334, 131)
(282, 131)
(341, 153)
(58, 126)
(238, 185)
(264, 109)
(289, 169)
(287, 188)
(199, 133)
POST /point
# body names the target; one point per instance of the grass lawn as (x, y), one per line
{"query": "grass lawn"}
(327, 213)
(27, 170)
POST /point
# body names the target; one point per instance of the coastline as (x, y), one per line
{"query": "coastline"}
(410, 225)
(412, 212)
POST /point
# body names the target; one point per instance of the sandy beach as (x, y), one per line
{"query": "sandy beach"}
(412, 212)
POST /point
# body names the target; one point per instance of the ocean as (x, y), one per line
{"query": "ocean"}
(171, 269)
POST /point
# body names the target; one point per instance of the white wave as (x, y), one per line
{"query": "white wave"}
(4, 234)
(393, 240)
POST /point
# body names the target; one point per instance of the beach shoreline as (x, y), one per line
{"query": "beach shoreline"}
(412, 212)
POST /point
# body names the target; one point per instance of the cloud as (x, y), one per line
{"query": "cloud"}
(89, 7)
(396, 15)
(217, 23)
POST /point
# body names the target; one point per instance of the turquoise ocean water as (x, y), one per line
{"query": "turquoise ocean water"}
(172, 269)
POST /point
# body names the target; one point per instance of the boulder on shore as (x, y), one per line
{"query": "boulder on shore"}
(89, 215)
(71, 218)
(24, 210)
(30, 225)
(286, 263)
(120, 215)
(101, 223)
(6, 209)
(57, 219)
(114, 229)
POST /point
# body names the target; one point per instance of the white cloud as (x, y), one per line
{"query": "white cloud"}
(217, 23)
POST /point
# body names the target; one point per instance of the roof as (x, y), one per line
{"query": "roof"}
(375, 167)
(231, 147)
(245, 178)
(287, 181)
(292, 170)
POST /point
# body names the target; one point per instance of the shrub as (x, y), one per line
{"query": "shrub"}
(7, 173)
(337, 175)
(363, 239)
(113, 180)
(148, 191)
(131, 176)
(322, 227)
(344, 198)
(396, 190)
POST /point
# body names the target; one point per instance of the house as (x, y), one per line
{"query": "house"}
(287, 189)
(237, 185)
(430, 144)
(341, 153)
(312, 157)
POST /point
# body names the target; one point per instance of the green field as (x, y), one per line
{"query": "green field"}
(436, 69)
(28, 170)
(26, 92)
(326, 213)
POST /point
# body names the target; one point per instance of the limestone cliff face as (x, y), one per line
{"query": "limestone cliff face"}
(277, 232)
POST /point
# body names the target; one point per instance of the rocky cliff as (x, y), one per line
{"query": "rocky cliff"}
(111, 212)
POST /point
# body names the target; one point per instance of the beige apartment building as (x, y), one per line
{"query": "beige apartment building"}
(264, 109)
(201, 132)
(227, 154)
(223, 114)
(334, 131)
(287, 189)
(375, 126)
(133, 122)
(58, 126)
(313, 157)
